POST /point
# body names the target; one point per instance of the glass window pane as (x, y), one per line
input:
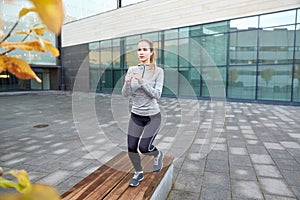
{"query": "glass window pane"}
(274, 82)
(170, 82)
(195, 31)
(118, 80)
(94, 64)
(242, 82)
(276, 45)
(244, 24)
(116, 57)
(131, 57)
(276, 19)
(184, 53)
(212, 84)
(132, 39)
(216, 48)
(216, 28)
(298, 16)
(243, 47)
(296, 89)
(106, 82)
(184, 32)
(189, 82)
(195, 49)
(171, 53)
(171, 34)
(105, 54)
(152, 36)
(297, 47)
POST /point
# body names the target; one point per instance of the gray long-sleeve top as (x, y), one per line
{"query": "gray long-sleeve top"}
(146, 92)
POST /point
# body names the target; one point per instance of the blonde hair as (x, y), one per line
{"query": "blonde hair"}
(153, 56)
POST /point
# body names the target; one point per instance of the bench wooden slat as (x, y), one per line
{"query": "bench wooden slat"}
(107, 182)
(146, 187)
(90, 184)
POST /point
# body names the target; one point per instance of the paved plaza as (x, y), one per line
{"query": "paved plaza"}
(222, 150)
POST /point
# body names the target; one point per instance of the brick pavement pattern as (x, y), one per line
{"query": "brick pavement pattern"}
(246, 151)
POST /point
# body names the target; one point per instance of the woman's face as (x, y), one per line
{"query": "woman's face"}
(144, 52)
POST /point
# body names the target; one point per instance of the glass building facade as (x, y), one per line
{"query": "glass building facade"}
(258, 58)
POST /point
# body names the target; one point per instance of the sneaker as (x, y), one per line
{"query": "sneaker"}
(158, 162)
(137, 178)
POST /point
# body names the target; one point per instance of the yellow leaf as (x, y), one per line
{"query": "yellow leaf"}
(24, 11)
(44, 192)
(2, 65)
(50, 48)
(39, 46)
(20, 68)
(39, 30)
(51, 13)
(23, 180)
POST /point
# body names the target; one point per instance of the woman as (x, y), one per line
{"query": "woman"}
(144, 83)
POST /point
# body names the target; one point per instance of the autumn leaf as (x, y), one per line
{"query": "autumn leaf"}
(2, 64)
(51, 13)
(39, 30)
(20, 68)
(39, 46)
(50, 48)
(45, 192)
(24, 11)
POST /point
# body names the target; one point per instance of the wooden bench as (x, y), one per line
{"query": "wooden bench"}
(107, 182)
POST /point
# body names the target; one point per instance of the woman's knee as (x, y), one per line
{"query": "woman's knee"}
(143, 149)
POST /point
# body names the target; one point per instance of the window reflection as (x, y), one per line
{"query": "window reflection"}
(274, 82)
(275, 19)
(276, 45)
(243, 47)
(242, 82)
(244, 24)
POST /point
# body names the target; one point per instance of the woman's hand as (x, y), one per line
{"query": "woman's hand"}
(128, 78)
(137, 76)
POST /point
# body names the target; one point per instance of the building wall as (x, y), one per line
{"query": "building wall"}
(156, 15)
(73, 59)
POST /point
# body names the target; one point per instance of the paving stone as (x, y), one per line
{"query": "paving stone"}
(270, 145)
(181, 194)
(281, 154)
(293, 145)
(220, 166)
(242, 173)
(238, 160)
(245, 190)
(209, 193)
(296, 191)
(277, 197)
(275, 187)
(238, 151)
(216, 180)
(287, 164)
(261, 159)
(188, 182)
(267, 171)
(56, 177)
(292, 177)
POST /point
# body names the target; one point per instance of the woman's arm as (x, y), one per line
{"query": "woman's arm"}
(155, 91)
(126, 90)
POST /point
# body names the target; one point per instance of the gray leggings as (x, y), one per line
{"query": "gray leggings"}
(142, 131)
